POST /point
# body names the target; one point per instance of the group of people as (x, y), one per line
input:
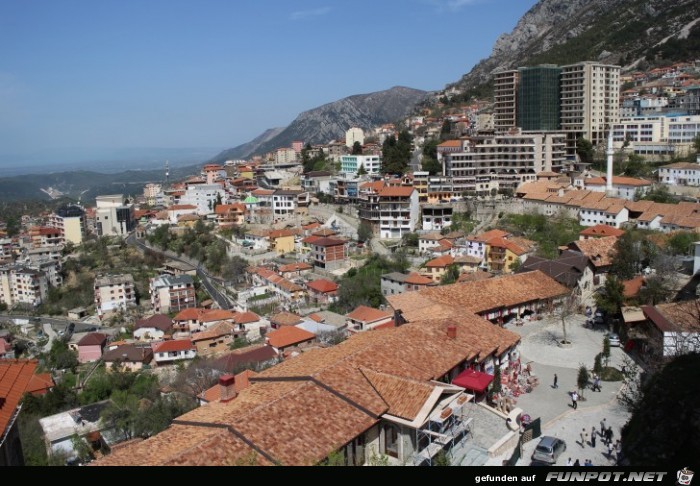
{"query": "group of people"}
(577, 463)
(606, 436)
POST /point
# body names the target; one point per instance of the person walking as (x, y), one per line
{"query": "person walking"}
(569, 462)
(593, 436)
(603, 426)
(577, 463)
(574, 400)
(610, 450)
(583, 437)
(596, 383)
(609, 435)
(556, 379)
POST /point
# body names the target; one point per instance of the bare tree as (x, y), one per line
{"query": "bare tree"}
(567, 308)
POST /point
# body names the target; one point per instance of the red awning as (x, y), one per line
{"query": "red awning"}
(473, 380)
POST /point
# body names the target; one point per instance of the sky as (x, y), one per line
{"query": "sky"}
(121, 74)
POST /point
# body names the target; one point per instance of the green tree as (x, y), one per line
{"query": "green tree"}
(636, 167)
(428, 164)
(632, 252)
(356, 148)
(582, 378)
(496, 383)
(61, 357)
(217, 202)
(410, 239)
(606, 350)
(696, 144)
(446, 129)
(681, 242)
(430, 149)
(584, 149)
(364, 232)
(361, 171)
(598, 364)
(451, 275)
(612, 297)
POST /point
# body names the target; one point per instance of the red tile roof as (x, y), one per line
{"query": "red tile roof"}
(93, 339)
(417, 279)
(602, 230)
(288, 336)
(327, 242)
(178, 207)
(245, 317)
(398, 191)
(190, 314)
(633, 286)
(280, 233)
(285, 319)
(368, 314)
(617, 181)
(40, 383)
(294, 267)
(176, 345)
(15, 375)
(322, 285)
(226, 208)
(440, 262)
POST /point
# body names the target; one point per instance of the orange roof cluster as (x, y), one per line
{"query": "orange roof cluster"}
(275, 279)
(418, 279)
(297, 412)
(599, 251)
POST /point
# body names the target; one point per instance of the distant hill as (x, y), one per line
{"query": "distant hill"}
(330, 121)
(84, 185)
(632, 33)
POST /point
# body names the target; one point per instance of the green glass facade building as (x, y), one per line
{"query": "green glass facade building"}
(538, 105)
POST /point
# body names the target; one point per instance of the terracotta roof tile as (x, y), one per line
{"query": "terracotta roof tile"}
(217, 330)
(398, 191)
(368, 314)
(176, 345)
(288, 336)
(294, 267)
(15, 375)
(601, 230)
(285, 319)
(93, 339)
(599, 251)
(322, 285)
(440, 262)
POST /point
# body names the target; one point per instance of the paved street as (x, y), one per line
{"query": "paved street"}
(553, 405)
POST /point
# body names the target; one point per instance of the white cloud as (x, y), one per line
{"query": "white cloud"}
(306, 14)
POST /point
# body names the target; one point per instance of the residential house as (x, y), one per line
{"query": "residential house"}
(43, 236)
(366, 318)
(176, 211)
(254, 357)
(623, 187)
(437, 267)
(600, 231)
(91, 346)
(503, 254)
(680, 174)
(22, 285)
(215, 339)
(477, 245)
(415, 281)
(127, 357)
(289, 201)
(114, 293)
(40, 384)
(167, 352)
(287, 337)
(230, 214)
(667, 330)
(393, 283)
(153, 328)
(600, 253)
(571, 269)
(114, 216)
(292, 270)
(435, 217)
(322, 290)
(15, 375)
(429, 241)
(328, 253)
(70, 221)
(284, 319)
(281, 241)
(607, 211)
(172, 293)
(398, 211)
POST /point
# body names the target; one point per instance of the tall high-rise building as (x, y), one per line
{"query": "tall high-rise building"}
(538, 98)
(505, 88)
(590, 100)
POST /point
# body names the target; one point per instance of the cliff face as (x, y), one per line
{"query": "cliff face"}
(567, 31)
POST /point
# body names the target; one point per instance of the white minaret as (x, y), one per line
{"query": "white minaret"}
(610, 152)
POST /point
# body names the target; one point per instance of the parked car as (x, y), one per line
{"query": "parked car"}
(614, 339)
(549, 449)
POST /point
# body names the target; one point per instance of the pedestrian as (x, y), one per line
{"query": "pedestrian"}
(593, 436)
(583, 437)
(596, 383)
(609, 434)
(588, 462)
(603, 426)
(574, 400)
(610, 450)
(569, 462)
(556, 379)
(618, 451)
(577, 463)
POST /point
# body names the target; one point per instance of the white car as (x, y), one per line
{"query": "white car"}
(614, 340)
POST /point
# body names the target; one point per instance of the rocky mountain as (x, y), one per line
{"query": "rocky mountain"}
(330, 121)
(244, 150)
(626, 32)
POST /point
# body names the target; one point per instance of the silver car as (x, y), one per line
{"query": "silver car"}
(614, 340)
(549, 449)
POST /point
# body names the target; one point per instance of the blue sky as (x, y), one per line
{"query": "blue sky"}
(210, 73)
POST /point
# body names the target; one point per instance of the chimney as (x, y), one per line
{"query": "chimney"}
(452, 331)
(227, 388)
(398, 318)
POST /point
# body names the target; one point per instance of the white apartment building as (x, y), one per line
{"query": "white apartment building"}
(680, 174)
(20, 285)
(683, 129)
(590, 99)
(113, 293)
(607, 211)
(352, 135)
(70, 221)
(505, 86)
(113, 217)
(350, 164)
(287, 201)
(172, 293)
(284, 156)
(508, 160)
(203, 197)
(640, 129)
(398, 211)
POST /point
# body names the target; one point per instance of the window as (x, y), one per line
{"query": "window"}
(391, 440)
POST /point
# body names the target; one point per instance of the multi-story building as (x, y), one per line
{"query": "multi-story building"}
(70, 221)
(203, 196)
(152, 192)
(436, 216)
(505, 100)
(590, 100)
(113, 293)
(680, 174)
(538, 98)
(285, 156)
(230, 214)
(113, 216)
(351, 164)
(287, 201)
(45, 236)
(329, 253)
(398, 211)
(21, 285)
(507, 159)
(172, 293)
(638, 130)
(683, 129)
(352, 135)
